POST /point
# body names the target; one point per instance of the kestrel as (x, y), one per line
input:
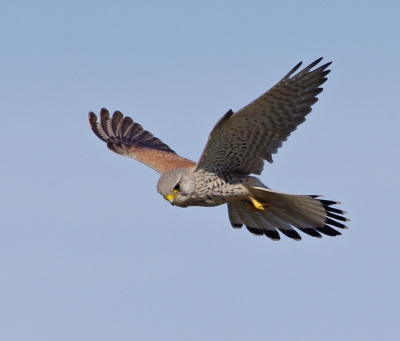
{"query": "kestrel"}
(237, 147)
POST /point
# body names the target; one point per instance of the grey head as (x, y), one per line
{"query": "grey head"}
(177, 186)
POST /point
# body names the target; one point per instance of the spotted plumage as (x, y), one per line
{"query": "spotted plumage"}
(237, 147)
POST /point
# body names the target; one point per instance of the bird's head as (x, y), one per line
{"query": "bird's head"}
(177, 186)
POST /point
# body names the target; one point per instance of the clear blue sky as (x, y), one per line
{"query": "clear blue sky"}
(90, 251)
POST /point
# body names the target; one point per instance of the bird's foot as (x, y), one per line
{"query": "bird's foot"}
(256, 205)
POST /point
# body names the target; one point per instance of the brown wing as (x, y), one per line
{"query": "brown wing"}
(242, 141)
(124, 136)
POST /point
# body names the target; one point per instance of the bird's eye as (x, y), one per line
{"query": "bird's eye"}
(176, 187)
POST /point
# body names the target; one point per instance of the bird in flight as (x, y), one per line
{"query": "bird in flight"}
(236, 148)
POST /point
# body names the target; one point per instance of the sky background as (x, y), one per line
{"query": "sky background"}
(90, 251)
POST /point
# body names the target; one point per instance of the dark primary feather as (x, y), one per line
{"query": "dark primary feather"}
(125, 137)
(120, 132)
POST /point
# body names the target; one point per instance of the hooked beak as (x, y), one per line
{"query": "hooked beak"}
(171, 198)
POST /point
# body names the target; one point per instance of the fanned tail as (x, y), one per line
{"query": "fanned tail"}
(284, 212)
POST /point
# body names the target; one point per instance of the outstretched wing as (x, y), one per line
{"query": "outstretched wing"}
(124, 136)
(241, 141)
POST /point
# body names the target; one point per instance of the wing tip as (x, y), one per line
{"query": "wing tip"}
(92, 118)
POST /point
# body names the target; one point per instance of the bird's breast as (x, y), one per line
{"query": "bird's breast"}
(217, 189)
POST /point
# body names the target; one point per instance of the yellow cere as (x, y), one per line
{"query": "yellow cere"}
(171, 197)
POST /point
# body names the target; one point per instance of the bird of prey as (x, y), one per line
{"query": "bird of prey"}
(236, 148)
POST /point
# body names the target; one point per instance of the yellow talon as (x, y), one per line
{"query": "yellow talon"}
(257, 205)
